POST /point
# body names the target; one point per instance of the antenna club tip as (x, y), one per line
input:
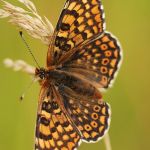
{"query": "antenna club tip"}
(21, 97)
(20, 32)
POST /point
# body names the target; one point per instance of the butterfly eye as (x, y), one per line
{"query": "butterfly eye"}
(42, 73)
(42, 77)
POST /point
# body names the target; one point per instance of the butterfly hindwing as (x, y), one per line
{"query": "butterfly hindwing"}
(92, 118)
(53, 129)
(80, 21)
(98, 61)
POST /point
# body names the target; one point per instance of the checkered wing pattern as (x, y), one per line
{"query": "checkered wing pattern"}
(80, 21)
(97, 61)
(54, 131)
(92, 118)
(82, 58)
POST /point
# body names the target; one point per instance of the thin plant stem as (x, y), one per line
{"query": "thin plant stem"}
(107, 142)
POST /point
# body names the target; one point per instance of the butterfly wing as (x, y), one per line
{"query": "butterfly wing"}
(97, 61)
(80, 42)
(79, 22)
(54, 130)
(92, 118)
(85, 120)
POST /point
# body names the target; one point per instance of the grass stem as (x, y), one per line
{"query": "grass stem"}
(107, 142)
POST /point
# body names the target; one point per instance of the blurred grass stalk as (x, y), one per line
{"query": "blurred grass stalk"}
(107, 142)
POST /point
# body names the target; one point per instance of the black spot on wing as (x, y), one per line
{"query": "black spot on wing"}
(44, 121)
(65, 27)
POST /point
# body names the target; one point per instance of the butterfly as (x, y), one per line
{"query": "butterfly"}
(82, 60)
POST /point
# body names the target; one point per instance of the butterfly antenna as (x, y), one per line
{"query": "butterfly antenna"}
(29, 49)
(23, 94)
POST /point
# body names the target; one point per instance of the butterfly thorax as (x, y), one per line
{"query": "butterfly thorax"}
(67, 83)
(45, 73)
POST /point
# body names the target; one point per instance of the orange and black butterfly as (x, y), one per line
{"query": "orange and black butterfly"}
(82, 60)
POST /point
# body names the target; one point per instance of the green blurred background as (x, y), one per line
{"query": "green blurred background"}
(129, 20)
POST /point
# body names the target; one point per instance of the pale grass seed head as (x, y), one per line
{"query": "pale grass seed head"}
(28, 19)
(19, 65)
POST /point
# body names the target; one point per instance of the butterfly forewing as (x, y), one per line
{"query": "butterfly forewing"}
(54, 131)
(97, 61)
(80, 21)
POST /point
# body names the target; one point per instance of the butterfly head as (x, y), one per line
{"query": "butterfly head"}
(41, 73)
